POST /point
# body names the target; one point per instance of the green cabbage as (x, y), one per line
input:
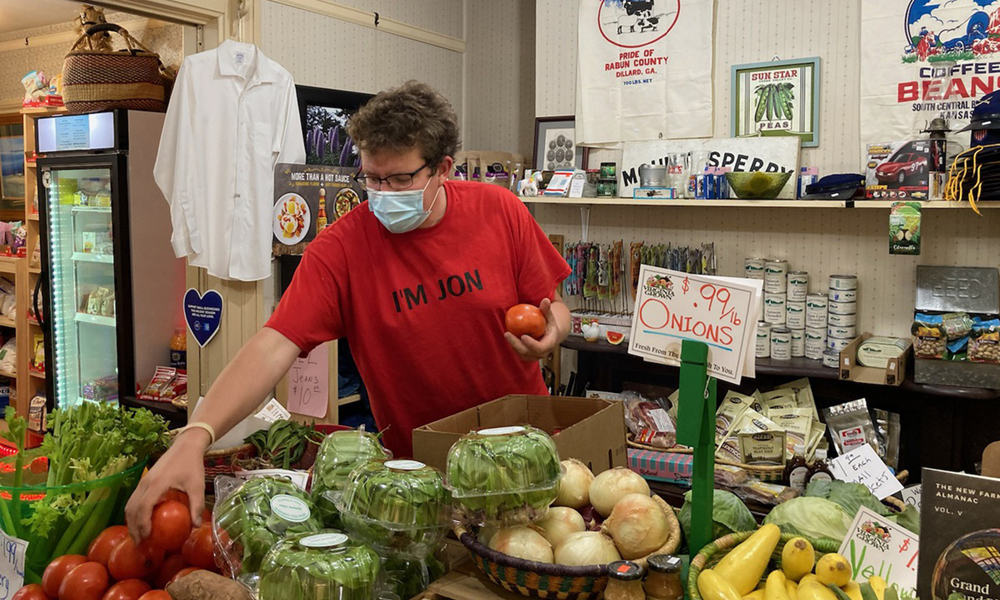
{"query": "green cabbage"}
(323, 566)
(814, 518)
(852, 496)
(729, 515)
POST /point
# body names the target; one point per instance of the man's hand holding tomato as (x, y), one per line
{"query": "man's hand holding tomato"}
(556, 328)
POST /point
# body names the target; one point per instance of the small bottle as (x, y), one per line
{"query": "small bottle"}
(178, 349)
(797, 470)
(625, 581)
(664, 579)
(820, 470)
(321, 214)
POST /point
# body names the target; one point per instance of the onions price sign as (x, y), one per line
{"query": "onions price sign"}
(671, 306)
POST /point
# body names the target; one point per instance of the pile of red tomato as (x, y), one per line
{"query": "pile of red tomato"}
(116, 568)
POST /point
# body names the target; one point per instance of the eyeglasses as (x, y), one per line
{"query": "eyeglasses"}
(399, 181)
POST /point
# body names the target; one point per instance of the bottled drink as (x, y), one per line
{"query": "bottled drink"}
(178, 349)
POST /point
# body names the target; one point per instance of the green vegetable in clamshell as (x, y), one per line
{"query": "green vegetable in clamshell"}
(255, 517)
(319, 566)
(397, 506)
(408, 577)
(504, 474)
(337, 456)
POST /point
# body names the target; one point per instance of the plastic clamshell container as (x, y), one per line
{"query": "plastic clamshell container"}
(397, 506)
(338, 455)
(323, 565)
(247, 523)
(503, 474)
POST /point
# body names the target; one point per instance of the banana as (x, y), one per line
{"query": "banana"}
(797, 558)
(833, 568)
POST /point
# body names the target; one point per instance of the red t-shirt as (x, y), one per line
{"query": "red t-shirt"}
(424, 310)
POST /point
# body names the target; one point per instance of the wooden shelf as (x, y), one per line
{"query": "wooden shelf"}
(8, 265)
(687, 202)
(33, 217)
(930, 204)
(7, 322)
(8, 374)
(348, 399)
(36, 374)
(35, 270)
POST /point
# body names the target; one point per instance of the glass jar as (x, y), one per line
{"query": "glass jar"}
(625, 581)
(664, 581)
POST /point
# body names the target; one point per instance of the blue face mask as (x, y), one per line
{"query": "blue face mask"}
(402, 211)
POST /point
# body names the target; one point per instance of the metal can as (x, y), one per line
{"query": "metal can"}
(781, 343)
(753, 268)
(774, 309)
(816, 310)
(843, 282)
(843, 295)
(815, 343)
(842, 320)
(798, 286)
(798, 343)
(837, 344)
(763, 340)
(795, 315)
(831, 359)
(843, 332)
(842, 308)
(776, 276)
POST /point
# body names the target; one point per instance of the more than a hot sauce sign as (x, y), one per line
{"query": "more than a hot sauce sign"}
(671, 307)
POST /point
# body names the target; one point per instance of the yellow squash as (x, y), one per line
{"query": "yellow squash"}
(833, 568)
(775, 588)
(810, 578)
(755, 595)
(792, 589)
(797, 558)
(745, 564)
(853, 589)
(815, 591)
(713, 586)
(878, 586)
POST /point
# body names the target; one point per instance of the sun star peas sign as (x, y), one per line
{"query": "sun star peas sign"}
(671, 306)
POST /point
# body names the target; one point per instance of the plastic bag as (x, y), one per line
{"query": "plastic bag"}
(984, 342)
(649, 421)
(929, 337)
(8, 356)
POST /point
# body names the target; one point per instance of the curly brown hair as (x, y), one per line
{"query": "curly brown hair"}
(412, 115)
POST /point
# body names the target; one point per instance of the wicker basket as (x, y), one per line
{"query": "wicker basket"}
(711, 554)
(544, 580)
(766, 473)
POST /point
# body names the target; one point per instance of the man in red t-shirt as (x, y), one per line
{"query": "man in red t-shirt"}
(419, 279)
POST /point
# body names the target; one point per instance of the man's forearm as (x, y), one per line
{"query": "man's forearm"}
(244, 383)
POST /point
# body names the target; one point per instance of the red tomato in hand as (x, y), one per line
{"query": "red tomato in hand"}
(180, 574)
(171, 525)
(57, 570)
(155, 595)
(173, 565)
(100, 549)
(525, 319)
(199, 549)
(129, 561)
(89, 581)
(176, 495)
(130, 589)
(30, 592)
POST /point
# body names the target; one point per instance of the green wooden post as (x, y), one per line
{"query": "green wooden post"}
(696, 428)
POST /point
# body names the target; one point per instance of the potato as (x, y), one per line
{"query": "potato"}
(203, 585)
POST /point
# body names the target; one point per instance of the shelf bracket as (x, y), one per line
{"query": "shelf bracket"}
(584, 223)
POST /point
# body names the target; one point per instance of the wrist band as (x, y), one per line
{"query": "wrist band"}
(203, 426)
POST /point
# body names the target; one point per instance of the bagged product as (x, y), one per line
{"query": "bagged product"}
(850, 425)
(730, 410)
(750, 422)
(929, 337)
(649, 422)
(338, 455)
(956, 325)
(984, 342)
(803, 395)
(252, 519)
(766, 493)
(8, 356)
(324, 565)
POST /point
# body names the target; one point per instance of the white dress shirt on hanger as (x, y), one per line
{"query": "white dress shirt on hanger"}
(233, 115)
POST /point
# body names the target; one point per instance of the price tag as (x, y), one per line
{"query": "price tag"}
(877, 546)
(911, 496)
(11, 565)
(273, 411)
(309, 383)
(862, 465)
(671, 307)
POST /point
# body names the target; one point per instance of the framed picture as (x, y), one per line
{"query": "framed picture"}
(324, 115)
(12, 162)
(779, 98)
(555, 146)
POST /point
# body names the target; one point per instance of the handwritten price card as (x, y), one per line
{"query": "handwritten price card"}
(671, 307)
(862, 465)
(11, 565)
(309, 383)
(877, 546)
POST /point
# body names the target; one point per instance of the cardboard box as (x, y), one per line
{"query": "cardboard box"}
(898, 170)
(588, 429)
(893, 374)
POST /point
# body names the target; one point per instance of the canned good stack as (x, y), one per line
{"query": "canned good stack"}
(842, 309)
(607, 181)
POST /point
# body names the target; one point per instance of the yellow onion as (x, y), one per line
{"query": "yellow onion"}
(522, 541)
(574, 487)
(614, 484)
(586, 548)
(559, 522)
(637, 525)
